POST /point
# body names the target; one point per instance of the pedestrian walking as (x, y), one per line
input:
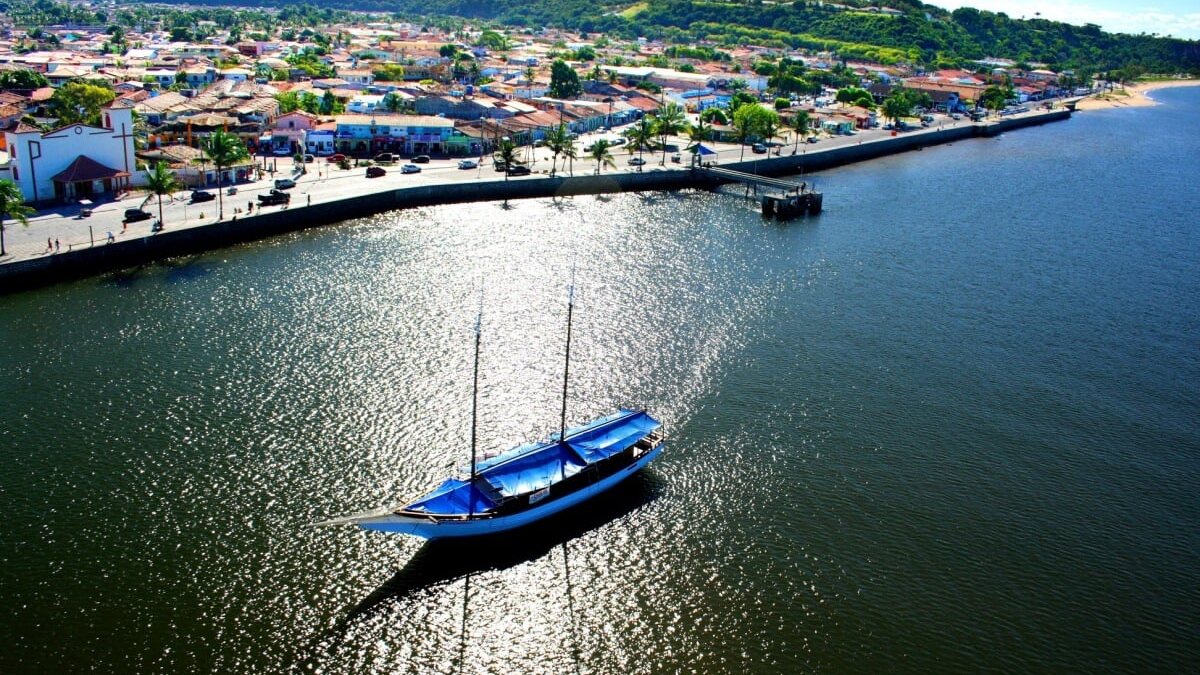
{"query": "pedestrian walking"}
(111, 238)
(310, 200)
(49, 244)
(57, 246)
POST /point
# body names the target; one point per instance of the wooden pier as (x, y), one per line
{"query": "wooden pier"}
(792, 199)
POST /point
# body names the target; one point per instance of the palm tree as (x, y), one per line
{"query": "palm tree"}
(697, 135)
(800, 124)
(162, 181)
(557, 140)
(602, 156)
(770, 129)
(12, 204)
(743, 129)
(641, 136)
(670, 121)
(570, 153)
(223, 149)
(506, 154)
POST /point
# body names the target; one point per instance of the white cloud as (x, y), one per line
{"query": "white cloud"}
(1133, 19)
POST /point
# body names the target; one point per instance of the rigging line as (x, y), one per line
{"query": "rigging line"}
(475, 408)
(570, 610)
(562, 429)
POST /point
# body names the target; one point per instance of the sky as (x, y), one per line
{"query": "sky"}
(1179, 18)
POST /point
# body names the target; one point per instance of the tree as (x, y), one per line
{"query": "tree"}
(506, 154)
(557, 141)
(161, 181)
(994, 97)
(753, 120)
(714, 116)
(223, 149)
(389, 72)
(670, 121)
(564, 82)
(801, 122)
(80, 102)
(12, 205)
(289, 101)
(330, 105)
(600, 152)
(22, 79)
(697, 135)
(641, 136)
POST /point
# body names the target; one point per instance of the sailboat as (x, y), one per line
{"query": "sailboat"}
(530, 482)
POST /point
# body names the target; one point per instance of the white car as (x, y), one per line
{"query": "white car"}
(410, 168)
(636, 161)
(467, 164)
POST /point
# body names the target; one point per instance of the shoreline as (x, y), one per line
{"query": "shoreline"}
(75, 263)
(1133, 96)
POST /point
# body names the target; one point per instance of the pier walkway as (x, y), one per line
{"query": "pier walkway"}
(723, 175)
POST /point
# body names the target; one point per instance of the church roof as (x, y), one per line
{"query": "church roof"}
(85, 168)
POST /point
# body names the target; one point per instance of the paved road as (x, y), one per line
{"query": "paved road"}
(325, 182)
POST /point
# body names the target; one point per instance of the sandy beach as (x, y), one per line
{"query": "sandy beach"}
(1132, 96)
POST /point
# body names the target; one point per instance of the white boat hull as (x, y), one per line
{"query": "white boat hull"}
(428, 528)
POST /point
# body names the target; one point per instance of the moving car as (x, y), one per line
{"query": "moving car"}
(335, 158)
(410, 168)
(202, 196)
(135, 215)
(375, 171)
(519, 170)
(284, 183)
(758, 149)
(274, 197)
(309, 159)
(385, 158)
(282, 151)
(467, 164)
(636, 161)
(421, 159)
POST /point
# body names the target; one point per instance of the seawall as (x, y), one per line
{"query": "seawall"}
(131, 252)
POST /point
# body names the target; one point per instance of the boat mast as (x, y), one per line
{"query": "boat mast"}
(562, 429)
(475, 409)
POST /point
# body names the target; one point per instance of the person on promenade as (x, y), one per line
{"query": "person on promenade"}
(111, 238)
(49, 245)
(57, 246)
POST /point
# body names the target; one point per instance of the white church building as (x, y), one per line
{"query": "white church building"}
(73, 162)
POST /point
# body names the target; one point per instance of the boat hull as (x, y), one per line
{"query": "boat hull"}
(428, 528)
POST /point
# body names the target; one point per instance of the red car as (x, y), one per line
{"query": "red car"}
(336, 158)
(375, 171)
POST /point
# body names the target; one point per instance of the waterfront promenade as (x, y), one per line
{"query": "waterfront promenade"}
(320, 191)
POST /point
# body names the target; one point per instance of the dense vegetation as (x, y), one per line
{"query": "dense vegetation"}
(924, 34)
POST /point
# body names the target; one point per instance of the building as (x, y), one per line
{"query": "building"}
(367, 135)
(73, 162)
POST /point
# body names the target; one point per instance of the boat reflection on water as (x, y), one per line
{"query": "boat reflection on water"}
(442, 561)
(445, 561)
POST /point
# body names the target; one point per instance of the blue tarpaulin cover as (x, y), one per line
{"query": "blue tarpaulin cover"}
(705, 151)
(535, 466)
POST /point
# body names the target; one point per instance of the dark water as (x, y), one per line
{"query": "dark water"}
(951, 425)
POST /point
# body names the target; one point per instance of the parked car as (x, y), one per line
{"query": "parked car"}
(467, 164)
(519, 170)
(135, 215)
(284, 183)
(273, 198)
(421, 159)
(375, 171)
(282, 151)
(385, 158)
(337, 157)
(410, 168)
(309, 159)
(498, 165)
(620, 140)
(758, 149)
(202, 196)
(636, 161)
(812, 139)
